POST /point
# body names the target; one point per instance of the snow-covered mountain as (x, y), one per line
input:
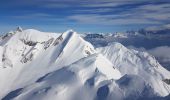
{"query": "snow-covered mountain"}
(47, 66)
(138, 64)
(149, 39)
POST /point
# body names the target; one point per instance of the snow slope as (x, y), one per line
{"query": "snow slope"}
(138, 64)
(31, 54)
(47, 66)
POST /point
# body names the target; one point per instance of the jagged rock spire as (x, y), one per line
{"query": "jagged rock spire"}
(19, 29)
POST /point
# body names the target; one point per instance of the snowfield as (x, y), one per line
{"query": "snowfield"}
(38, 65)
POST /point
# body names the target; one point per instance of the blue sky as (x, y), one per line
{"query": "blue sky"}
(83, 15)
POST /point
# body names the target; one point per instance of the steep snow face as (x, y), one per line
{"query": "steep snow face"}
(22, 44)
(140, 64)
(17, 50)
(82, 78)
(34, 62)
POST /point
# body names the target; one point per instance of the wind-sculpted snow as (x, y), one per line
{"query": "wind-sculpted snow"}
(140, 64)
(47, 66)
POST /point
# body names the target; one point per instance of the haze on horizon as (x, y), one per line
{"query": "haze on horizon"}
(83, 16)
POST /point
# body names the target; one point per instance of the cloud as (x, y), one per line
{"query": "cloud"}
(157, 28)
(110, 19)
(161, 52)
(89, 3)
(33, 15)
(123, 13)
(162, 55)
(40, 19)
(154, 11)
(103, 12)
(155, 7)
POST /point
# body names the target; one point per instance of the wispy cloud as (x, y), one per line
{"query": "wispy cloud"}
(96, 12)
(33, 15)
(42, 18)
(161, 52)
(110, 20)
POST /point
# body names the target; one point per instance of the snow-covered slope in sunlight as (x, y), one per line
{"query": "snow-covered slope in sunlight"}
(48, 66)
(139, 65)
(82, 78)
(38, 65)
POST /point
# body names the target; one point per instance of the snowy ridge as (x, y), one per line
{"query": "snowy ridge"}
(138, 64)
(47, 66)
(32, 57)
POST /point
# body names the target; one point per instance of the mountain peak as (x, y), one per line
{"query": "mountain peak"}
(19, 29)
(69, 33)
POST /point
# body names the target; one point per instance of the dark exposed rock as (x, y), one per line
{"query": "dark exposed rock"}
(27, 58)
(94, 36)
(29, 43)
(19, 29)
(3, 58)
(167, 81)
(7, 35)
(48, 43)
(60, 38)
(87, 52)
